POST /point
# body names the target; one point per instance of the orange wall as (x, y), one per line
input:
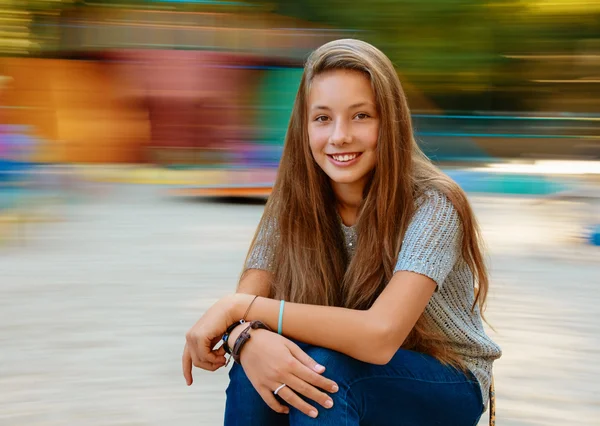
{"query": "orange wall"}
(80, 109)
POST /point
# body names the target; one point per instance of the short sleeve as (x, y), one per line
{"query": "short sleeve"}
(262, 253)
(431, 245)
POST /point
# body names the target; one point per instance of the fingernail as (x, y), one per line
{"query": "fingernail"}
(329, 403)
(313, 413)
(319, 367)
(335, 388)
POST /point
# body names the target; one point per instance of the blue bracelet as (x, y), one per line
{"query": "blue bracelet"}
(280, 317)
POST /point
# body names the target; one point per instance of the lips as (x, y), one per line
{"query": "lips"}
(344, 158)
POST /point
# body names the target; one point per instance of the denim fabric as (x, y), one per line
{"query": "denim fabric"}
(413, 389)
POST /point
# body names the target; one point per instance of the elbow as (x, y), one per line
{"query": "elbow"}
(372, 356)
(380, 358)
(384, 354)
(383, 345)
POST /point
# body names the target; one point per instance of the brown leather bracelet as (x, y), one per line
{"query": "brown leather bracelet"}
(244, 337)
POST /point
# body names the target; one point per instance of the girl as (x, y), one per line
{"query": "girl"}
(367, 265)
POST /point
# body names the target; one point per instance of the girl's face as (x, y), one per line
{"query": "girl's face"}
(343, 127)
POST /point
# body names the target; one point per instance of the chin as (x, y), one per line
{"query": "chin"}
(345, 179)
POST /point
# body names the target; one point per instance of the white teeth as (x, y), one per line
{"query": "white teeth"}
(344, 158)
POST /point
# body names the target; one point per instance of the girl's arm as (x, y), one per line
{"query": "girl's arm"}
(430, 249)
(255, 281)
(258, 276)
(372, 335)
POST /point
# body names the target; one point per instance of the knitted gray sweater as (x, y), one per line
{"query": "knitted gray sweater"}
(431, 247)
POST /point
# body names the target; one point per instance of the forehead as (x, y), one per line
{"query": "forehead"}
(340, 87)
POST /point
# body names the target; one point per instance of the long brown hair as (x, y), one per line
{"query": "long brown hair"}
(310, 264)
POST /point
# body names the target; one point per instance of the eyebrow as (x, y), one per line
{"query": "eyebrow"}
(356, 105)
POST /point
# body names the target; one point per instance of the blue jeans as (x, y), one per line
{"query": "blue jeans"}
(413, 389)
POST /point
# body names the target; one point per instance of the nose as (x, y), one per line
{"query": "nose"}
(341, 134)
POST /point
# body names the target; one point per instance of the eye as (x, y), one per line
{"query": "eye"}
(361, 116)
(321, 118)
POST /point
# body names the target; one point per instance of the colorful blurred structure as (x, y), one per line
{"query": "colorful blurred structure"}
(207, 82)
(210, 84)
(136, 92)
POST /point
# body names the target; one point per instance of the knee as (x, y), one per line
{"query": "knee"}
(339, 368)
(337, 365)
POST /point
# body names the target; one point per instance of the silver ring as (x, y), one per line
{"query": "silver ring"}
(279, 388)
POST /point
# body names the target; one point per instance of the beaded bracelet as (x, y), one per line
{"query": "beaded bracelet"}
(225, 337)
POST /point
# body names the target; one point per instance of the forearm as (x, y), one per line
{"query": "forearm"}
(352, 332)
(254, 282)
(372, 336)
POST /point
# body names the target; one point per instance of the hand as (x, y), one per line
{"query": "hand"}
(203, 337)
(187, 362)
(270, 360)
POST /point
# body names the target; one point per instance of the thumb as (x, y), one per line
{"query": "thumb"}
(305, 359)
(220, 352)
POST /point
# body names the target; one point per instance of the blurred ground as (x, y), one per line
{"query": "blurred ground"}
(94, 307)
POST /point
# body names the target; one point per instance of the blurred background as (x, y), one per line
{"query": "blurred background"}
(139, 139)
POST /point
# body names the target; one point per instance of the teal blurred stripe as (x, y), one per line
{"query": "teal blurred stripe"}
(507, 183)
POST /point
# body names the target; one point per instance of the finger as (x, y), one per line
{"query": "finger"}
(207, 365)
(304, 358)
(186, 363)
(271, 401)
(309, 391)
(289, 396)
(206, 353)
(310, 370)
(201, 351)
(216, 357)
(309, 376)
(210, 366)
(220, 352)
(197, 362)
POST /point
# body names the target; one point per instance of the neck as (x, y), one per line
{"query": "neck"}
(349, 199)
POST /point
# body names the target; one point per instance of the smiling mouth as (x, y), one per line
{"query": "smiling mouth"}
(343, 158)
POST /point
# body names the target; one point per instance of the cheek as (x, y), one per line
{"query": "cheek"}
(370, 137)
(317, 141)
(375, 136)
